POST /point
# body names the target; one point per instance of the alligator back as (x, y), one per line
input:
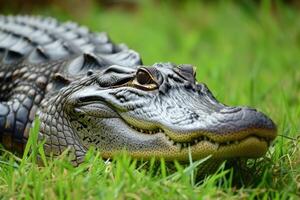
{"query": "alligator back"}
(33, 52)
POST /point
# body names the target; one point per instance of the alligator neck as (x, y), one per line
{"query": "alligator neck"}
(55, 128)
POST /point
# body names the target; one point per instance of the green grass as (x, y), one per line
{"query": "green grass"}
(246, 54)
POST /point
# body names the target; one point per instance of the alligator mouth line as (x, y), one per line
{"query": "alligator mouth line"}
(182, 145)
(204, 138)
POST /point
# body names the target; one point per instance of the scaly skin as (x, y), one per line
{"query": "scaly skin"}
(88, 91)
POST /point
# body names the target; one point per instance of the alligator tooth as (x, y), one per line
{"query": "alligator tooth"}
(217, 145)
(184, 144)
(196, 141)
(228, 142)
(236, 142)
(141, 131)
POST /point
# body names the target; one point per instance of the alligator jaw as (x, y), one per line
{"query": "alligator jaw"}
(247, 135)
(250, 147)
(252, 143)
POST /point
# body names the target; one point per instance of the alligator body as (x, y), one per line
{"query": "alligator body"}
(88, 91)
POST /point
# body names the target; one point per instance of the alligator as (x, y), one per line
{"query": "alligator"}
(90, 92)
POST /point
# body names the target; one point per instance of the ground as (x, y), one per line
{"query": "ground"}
(247, 55)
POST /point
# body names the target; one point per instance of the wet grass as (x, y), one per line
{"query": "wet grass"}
(246, 54)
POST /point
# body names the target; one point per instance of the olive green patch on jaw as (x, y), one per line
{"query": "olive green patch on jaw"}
(240, 144)
(250, 147)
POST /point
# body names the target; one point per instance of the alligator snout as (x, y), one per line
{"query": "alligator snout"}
(245, 118)
(227, 124)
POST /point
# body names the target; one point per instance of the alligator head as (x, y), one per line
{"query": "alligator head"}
(158, 111)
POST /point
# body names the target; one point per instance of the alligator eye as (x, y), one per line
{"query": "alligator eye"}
(143, 77)
(144, 80)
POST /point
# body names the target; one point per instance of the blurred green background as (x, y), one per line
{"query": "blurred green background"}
(247, 52)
